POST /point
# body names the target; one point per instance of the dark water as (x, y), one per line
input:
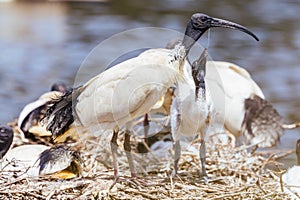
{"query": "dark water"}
(44, 42)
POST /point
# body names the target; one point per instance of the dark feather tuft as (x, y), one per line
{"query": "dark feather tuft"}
(59, 115)
(262, 121)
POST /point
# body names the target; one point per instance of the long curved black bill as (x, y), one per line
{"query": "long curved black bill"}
(199, 23)
(215, 22)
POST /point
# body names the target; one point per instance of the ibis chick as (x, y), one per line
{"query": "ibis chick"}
(191, 110)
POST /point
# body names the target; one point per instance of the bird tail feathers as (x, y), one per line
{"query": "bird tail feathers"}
(59, 115)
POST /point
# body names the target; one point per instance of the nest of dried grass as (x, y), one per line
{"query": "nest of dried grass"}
(234, 172)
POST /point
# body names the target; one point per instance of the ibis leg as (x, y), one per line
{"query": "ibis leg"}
(146, 127)
(114, 148)
(177, 154)
(202, 155)
(127, 148)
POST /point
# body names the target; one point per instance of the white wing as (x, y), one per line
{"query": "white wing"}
(130, 89)
(230, 85)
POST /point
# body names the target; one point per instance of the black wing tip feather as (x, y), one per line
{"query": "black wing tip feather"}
(59, 115)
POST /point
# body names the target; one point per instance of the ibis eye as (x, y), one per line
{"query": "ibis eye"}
(198, 24)
(203, 18)
(201, 22)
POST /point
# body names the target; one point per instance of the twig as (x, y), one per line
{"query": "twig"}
(12, 182)
(143, 193)
(23, 192)
(259, 186)
(289, 152)
(283, 188)
(229, 195)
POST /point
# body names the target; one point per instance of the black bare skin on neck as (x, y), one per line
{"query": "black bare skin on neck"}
(199, 72)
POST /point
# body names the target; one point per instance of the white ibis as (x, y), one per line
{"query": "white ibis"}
(245, 111)
(6, 139)
(192, 109)
(233, 85)
(41, 160)
(291, 177)
(117, 96)
(32, 113)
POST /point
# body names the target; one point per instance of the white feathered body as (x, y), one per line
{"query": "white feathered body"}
(190, 115)
(22, 161)
(129, 89)
(292, 179)
(229, 86)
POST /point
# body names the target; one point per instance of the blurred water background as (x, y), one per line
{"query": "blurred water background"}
(42, 42)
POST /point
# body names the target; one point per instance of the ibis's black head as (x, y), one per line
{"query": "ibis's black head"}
(298, 151)
(199, 23)
(6, 138)
(59, 86)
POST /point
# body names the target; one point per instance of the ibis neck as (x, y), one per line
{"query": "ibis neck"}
(191, 35)
(200, 90)
(298, 159)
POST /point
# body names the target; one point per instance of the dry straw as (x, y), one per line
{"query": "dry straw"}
(234, 172)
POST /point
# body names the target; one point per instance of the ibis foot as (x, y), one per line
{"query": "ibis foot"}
(134, 181)
(203, 177)
(116, 179)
